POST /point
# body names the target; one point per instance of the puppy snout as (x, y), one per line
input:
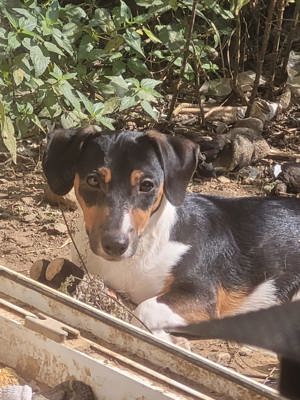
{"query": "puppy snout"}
(115, 244)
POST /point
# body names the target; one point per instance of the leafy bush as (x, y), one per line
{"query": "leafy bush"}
(84, 64)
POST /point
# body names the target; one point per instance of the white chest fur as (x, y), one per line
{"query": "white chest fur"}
(143, 275)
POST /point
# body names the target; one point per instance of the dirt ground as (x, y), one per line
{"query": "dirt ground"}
(31, 229)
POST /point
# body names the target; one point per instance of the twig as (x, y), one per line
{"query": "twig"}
(236, 60)
(184, 61)
(291, 37)
(73, 241)
(261, 57)
(276, 42)
(198, 68)
(90, 278)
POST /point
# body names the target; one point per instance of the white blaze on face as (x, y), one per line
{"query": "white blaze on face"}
(126, 223)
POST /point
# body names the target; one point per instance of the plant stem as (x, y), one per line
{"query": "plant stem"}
(184, 61)
(277, 34)
(291, 37)
(261, 57)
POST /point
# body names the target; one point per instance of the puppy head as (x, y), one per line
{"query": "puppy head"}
(119, 181)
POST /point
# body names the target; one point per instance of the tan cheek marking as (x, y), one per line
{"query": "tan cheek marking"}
(94, 215)
(106, 174)
(229, 301)
(140, 219)
(135, 177)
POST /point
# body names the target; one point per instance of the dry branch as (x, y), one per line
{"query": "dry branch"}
(291, 37)
(261, 57)
(184, 61)
(277, 34)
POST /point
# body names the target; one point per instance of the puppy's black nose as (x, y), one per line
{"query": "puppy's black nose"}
(115, 245)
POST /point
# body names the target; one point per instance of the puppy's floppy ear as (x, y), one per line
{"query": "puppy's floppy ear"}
(61, 156)
(178, 157)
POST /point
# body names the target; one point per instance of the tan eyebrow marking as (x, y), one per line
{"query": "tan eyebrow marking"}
(105, 173)
(135, 177)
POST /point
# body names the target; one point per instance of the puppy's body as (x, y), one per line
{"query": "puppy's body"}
(182, 259)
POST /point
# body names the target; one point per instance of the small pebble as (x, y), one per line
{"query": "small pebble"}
(223, 179)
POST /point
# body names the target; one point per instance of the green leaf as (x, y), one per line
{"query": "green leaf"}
(114, 44)
(138, 67)
(12, 20)
(125, 11)
(27, 25)
(66, 89)
(133, 39)
(128, 102)
(103, 20)
(24, 12)
(69, 120)
(149, 109)
(105, 121)
(148, 94)
(34, 118)
(9, 139)
(18, 75)
(110, 105)
(56, 72)
(119, 67)
(150, 83)
(39, 61)
(87, 103)
(13, 41)
(119, 84)
(62, 41)
(74, 12)
(53, 11)
(53, 48)
(151, 36)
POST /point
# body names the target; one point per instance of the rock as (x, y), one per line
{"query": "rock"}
(280, 188)
(27, 200)
(246, 80)
(241, 147)
(251, 123)
(60, 227)
(249, 173)
(290, 175)
(223, 179)
(29, 218)
(264, 110)
(55, 229)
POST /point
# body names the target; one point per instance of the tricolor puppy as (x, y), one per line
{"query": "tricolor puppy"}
(182, 258)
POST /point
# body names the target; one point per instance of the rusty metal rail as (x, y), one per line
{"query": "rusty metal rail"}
(53, 337)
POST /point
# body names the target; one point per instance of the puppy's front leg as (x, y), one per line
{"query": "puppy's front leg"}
(162, 314)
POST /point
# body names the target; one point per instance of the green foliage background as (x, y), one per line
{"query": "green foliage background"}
(75, 64)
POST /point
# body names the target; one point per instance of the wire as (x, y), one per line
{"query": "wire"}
(90, 278)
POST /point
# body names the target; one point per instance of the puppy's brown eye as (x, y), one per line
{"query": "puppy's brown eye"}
(146, 186)
(93, 180)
